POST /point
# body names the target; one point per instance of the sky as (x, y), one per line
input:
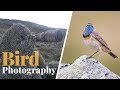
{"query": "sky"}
(56, 19)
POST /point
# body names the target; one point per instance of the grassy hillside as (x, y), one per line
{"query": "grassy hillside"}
(6, 23)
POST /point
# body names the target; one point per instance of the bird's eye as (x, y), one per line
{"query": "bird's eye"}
(87, 25)
(91, 26)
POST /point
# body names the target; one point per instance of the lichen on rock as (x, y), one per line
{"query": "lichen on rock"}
(83, 68)
(18, 37)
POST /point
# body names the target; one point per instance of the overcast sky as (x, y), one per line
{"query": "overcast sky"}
(57, 19)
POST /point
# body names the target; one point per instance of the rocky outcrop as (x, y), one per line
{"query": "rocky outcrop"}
(51, 36)
(84, 68)
(18, 37)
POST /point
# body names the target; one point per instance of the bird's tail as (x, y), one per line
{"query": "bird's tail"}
(112, 54)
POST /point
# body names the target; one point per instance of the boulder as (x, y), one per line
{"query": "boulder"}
(50, 36)
(84, 68)
(19, 37)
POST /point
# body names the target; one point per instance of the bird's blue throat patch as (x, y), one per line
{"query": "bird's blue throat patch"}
(87, 31)
(89, 28)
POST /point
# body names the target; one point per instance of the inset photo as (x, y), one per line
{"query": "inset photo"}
(92, 46)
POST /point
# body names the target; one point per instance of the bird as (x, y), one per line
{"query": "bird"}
(94, 41)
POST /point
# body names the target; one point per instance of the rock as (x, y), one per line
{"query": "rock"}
(19, 37)
(53, 64)
(83, 68)
(64, 65)
(50, 36)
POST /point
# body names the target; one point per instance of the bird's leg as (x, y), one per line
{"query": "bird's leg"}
(92, 55)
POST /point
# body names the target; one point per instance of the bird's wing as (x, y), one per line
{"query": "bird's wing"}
(99, 38)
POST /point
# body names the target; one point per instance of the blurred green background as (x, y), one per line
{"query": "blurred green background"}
(107, 24)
